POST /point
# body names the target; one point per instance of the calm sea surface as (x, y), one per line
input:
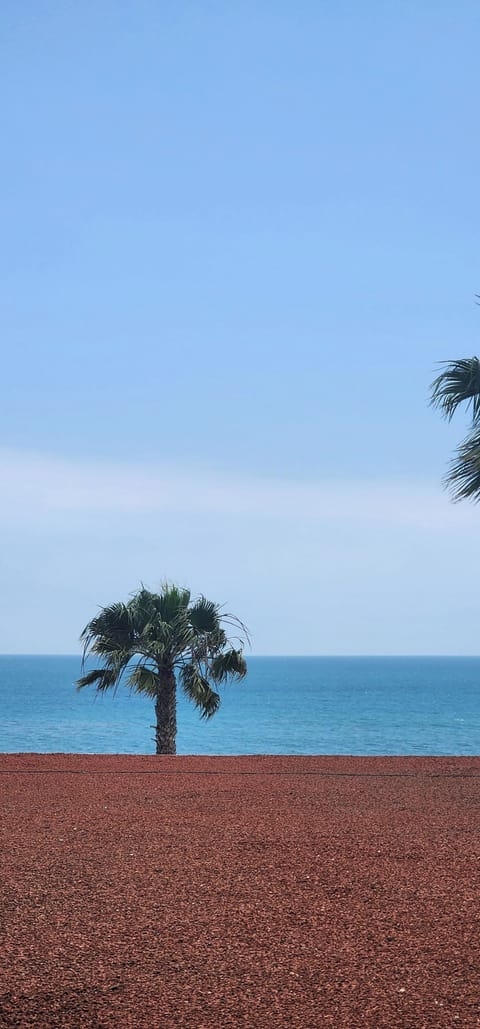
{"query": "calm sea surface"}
(286, 706)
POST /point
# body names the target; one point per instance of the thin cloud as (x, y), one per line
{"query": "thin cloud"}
(33, 483)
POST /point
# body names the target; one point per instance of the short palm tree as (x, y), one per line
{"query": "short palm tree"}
(156, 639)
(459, 383)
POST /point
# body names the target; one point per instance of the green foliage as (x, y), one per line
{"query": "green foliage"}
(230, 662)
(204, 616)
(143, 680)
(459, 383)
(197, 688)
(153, 635)
(463, 478)
(102, 678)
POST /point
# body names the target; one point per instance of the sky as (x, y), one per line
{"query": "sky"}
(237, 239)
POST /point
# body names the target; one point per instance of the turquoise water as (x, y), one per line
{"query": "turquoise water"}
(290, 705)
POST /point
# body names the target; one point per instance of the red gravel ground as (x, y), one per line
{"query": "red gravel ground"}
(239, 892)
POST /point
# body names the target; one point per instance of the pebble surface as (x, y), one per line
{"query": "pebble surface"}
(268, 892)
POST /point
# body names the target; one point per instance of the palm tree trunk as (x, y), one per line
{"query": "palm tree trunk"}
(166, 714)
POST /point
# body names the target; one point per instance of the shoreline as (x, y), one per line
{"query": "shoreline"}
(264, 890)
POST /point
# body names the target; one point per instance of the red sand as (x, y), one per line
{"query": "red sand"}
(268, 892)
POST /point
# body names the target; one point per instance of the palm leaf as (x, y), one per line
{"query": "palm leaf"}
(113, 626)
(463, 478)
(198, 690)
(459, 383)
(229, 665)
(109, 648)
(242, 634)
(172, 602)
(143, 611)
(208, 645)
(204, 616)
(143, 680)
(102, 678)
(113, 618)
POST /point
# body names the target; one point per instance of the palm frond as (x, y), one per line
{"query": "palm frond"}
(230, 664)
(154, 649)
(113, 626)
(143, 680)
(198, 690)
(209, 644)
(113, 618)
(204, 616)
(109, 647)
(459, 383)
(143, 610)
(172, 602)
(242, 632)
(463, 477)
(102, 678)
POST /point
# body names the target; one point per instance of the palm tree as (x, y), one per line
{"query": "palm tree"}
(156, 639)
(460, 383)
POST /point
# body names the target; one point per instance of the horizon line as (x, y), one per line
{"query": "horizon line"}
(295, 657)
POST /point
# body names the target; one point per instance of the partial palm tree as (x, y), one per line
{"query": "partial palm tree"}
(157, 640)
(459, 383)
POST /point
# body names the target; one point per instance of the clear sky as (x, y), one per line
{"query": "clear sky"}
(237, 237)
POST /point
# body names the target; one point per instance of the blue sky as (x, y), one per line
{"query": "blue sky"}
(236, 240)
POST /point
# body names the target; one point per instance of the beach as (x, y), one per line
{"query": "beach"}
(207, 892)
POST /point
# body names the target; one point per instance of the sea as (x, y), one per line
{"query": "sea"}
(286, 705)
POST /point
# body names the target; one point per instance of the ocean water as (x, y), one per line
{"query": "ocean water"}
(288, 705)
